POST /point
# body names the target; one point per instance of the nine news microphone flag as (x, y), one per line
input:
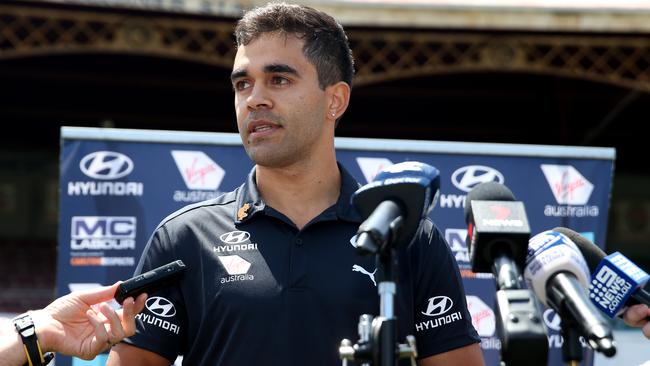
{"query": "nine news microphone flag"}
(616, 282)
(117, 184)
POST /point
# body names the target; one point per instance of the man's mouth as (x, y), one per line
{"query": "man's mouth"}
(258, 129)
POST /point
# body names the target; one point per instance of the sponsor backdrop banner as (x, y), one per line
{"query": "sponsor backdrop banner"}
(117, 185)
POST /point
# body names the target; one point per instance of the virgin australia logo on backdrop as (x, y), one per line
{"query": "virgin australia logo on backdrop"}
(202, 176)
(371, 166)
(103, 167)
(571, 191)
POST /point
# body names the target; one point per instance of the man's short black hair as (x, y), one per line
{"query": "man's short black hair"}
(326, 44)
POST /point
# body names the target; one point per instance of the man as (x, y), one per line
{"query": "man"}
(272, 277)
(79, 324)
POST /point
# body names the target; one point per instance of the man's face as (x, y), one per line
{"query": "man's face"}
(279, 104)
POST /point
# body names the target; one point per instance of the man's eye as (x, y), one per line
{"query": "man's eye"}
(242, 84)
(279, 80)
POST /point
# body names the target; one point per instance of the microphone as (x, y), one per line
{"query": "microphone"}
(497, 233)
(616, 282)
(394, 204)
(558, 274)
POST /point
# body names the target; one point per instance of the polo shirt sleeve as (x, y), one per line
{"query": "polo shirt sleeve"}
(160, 327)
(441, 319)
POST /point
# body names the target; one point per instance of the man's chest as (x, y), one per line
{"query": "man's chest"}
(260, 268)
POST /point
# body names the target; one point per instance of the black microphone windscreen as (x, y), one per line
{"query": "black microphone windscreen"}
(590, 251)
(488, 191)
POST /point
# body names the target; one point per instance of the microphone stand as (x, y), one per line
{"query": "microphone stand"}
(377, 343)
(598, 335)
(519, 326)
(571, 348)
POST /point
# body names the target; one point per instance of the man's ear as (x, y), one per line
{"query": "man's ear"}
(338, 97)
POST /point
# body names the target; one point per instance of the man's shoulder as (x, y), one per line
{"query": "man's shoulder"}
(221, 206)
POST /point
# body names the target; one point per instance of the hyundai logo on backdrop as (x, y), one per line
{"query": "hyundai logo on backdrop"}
(105, 166)
(465, 178)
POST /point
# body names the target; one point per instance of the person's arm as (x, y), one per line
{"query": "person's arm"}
(125, 354)
(637, 316)
(437, 278)
(11, 346)
(470, 355)
(72, 326)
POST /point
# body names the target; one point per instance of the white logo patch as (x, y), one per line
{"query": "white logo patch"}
(483, 318)
(438, 305)
(106, 165)
(234, 264)
(161, 306)
(235, 237)
(569, 187)
(198, 170)
(465, 178)
(371, 166)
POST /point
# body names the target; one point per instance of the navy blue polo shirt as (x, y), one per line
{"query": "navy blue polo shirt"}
(258, 290)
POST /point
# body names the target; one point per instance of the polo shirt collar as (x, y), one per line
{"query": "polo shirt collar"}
(250, 203)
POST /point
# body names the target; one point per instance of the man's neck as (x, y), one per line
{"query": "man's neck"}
(300, 192)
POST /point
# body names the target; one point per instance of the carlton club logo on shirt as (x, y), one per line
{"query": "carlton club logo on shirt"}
(438, 308)
(237, 267)
(158, 309)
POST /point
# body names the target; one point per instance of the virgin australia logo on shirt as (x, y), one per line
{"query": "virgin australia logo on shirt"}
(237, 267)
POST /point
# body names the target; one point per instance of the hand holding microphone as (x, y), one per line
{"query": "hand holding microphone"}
(616, 283)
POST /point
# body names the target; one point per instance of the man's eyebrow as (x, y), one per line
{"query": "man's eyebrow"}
(281, 68)
(236, 74)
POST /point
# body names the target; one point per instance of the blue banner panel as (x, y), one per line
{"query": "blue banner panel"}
(117, 185)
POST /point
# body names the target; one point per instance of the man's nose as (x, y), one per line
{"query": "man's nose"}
(259, 97)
